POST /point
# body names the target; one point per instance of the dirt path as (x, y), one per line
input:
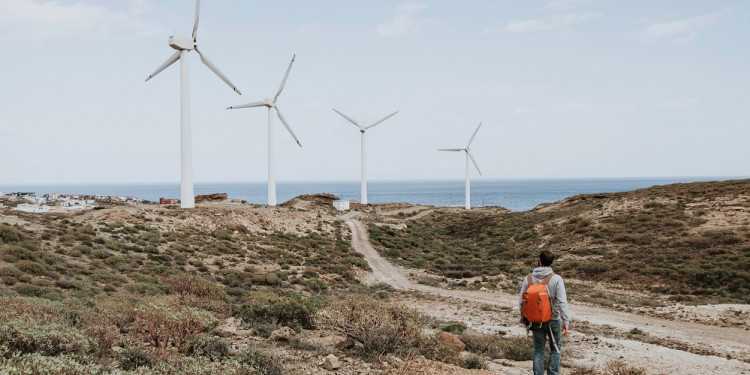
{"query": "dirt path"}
(729, 342)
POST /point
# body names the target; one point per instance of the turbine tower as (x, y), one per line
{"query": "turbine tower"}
(271, 104)
(467, 149)
(362, 129)
(183, 45)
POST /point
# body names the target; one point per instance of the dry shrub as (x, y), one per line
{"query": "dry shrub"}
(118, 309)
(620, 368)
(162, 322)
(198, 292)
(487, 345)
(40, 309)
(440, 350)
(260, 362)
(611, 368)
(414, 365)
(381, 326)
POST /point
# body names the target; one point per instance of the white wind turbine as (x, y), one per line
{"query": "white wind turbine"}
(362, 129)
(183, 45)
(271, 104)
(467, 203)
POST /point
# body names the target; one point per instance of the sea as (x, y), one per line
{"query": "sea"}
(515, 195)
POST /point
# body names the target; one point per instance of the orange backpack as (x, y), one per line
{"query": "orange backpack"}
(535, 304)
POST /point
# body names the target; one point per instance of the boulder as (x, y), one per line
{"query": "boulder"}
(283, 334)
(347, 343)
(451, 341)
(331, 362)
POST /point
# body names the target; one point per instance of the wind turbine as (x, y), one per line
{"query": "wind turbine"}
(362, 129)
(467, 204)
(271, 104)
(183, 45)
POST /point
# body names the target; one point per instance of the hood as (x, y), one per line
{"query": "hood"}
(540, 273)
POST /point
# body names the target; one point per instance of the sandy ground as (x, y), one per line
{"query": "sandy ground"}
(475, 308)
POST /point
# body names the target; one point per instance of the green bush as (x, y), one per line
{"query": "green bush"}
(289, 309)
(213, 348)
(260, 362)
(10, 274)
(455, 328)
(9, 234)
(29, 266)
(518, 349)
(30, 290)
(315, 285)
(36, 336)
(39, 364)
(134, 357)
(12, 254)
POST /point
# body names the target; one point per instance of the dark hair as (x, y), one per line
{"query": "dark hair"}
(546, 257)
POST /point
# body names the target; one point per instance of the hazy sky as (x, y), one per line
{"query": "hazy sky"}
(565, 88)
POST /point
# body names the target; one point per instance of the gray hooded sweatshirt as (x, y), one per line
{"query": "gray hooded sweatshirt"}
(557, 297)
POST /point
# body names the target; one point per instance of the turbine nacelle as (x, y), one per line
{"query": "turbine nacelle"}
(181, 43)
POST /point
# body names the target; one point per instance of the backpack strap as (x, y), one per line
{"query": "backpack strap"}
(548, 278)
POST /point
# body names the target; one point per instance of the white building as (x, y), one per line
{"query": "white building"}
(341, 205)
(35, 209)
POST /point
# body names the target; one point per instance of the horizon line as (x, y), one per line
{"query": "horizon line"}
(715, 177)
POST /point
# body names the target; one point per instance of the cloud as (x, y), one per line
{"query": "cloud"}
(555, 22)
(681, 31)
(49, 21)
(406, 20)
(679, 104)
(564, 5)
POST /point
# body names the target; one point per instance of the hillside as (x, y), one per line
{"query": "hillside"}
(247, 289)
(688, 241)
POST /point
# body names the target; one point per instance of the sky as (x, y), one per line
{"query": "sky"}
(563, 88)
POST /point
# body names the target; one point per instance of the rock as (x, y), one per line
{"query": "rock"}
(452, 341)
(283, 334)
(348, 343)
(331, 362)
(215, 197)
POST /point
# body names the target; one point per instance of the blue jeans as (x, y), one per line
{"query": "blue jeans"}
(540, 339)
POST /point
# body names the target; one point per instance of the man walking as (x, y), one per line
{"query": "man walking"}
(557, 326)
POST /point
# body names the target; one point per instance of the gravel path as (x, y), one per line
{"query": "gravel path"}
(729, 342)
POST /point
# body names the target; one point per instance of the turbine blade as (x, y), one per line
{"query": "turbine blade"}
(216, 70)
(283, 121)
(450, 149)
(175, 56)
(347, 117)
(248, 105)
(197, 14)
(474, 161)
(283, 81)
(474, 135)
(381, 120)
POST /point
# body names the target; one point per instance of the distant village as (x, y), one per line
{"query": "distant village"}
(30, 202)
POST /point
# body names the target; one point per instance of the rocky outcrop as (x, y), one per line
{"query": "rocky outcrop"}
(215, 197)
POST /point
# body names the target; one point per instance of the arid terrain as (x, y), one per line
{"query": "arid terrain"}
(657, 278)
